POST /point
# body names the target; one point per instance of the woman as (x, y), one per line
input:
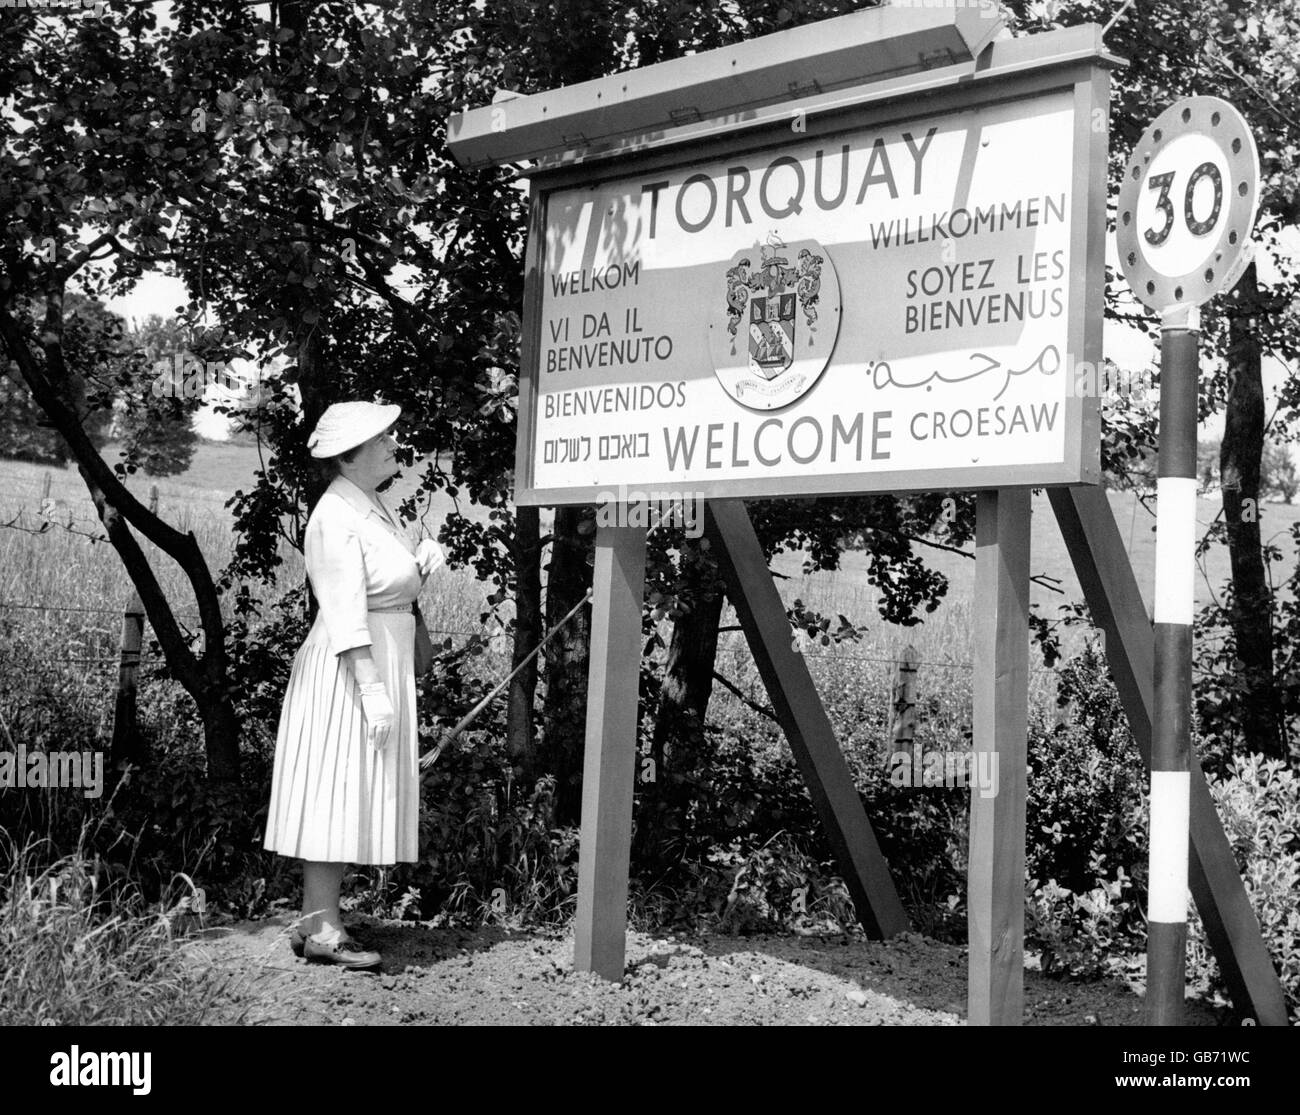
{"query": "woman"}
(345, 787)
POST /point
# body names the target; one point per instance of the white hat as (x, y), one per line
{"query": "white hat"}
(344, 426)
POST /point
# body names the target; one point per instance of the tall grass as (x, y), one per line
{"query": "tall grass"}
(855, 679)
(66, 590)
(78, 947)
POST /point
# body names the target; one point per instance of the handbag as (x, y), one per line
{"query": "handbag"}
(423, 644)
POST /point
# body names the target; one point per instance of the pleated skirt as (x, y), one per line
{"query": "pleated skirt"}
(335, 799)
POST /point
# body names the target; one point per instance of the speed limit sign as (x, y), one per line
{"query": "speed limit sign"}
(1186, 211)
(1188, 204)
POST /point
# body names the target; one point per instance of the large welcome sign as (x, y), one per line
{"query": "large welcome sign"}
(897, 306)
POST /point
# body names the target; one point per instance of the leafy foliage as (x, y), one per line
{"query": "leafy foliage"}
(1086, 782)
(91, 347)
(1086, 853)
(1078, 934)
(157, 400)
(1279, 472)
(1259, 802)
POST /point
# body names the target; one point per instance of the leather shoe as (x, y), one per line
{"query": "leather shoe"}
(297, 937)
(343, 951)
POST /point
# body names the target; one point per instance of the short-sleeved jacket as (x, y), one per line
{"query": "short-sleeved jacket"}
(357, 560)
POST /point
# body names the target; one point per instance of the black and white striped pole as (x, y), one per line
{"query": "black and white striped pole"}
(1185, 215)
(1171, 730)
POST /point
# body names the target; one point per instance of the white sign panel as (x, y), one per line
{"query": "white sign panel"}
(884, 309)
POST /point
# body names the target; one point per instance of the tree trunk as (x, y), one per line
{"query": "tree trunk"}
(204, 678)
(564, 708)
(677, 744)
(1239, 463)
(314, 404)
(688, 682)
(220, 735)
(528, 633)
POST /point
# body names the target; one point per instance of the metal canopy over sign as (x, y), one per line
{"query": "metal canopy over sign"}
(1188, 204)
(644, 107)
(884, 299)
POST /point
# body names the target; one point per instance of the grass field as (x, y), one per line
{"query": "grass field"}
(59, 569)
(63, 568)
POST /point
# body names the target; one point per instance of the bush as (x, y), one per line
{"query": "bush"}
(1086, 822)
(1078, 934)
(1087, 784)
(778, 886)
(1087, 855)
(1259, 804)
(750, 819)
(491, 852)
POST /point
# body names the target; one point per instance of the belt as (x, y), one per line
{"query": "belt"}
(401, 609)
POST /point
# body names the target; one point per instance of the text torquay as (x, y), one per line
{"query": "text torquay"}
(781, 187)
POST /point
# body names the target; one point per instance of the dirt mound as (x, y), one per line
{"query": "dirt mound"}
(489, 976)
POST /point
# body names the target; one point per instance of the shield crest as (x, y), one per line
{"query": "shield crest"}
(771, 334)
(776, 328)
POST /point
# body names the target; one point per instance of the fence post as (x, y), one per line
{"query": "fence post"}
(127, 746)
(903, 702)
(46, 505)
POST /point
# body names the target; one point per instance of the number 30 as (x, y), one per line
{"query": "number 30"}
(1164, 182)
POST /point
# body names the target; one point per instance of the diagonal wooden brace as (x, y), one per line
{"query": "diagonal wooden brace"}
(1088, 527)
(802, 717)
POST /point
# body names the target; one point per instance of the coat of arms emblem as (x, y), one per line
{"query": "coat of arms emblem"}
(775, 344)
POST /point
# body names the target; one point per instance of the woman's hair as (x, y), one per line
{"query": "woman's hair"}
(330, 467)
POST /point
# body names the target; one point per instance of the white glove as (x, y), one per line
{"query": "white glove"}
(379, 713)
(429, 556)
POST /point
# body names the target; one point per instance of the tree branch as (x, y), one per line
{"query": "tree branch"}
(762, 710)
(99, 477)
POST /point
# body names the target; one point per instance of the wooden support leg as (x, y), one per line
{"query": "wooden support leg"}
(609, 764)
(1111, 590)
(996, 890)
(802, 717)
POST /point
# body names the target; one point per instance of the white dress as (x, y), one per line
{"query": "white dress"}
(333, 797)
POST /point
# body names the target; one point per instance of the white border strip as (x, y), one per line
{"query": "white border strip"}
(1175, 590)
(1170, 815)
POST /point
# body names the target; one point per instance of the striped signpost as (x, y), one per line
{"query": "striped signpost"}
(1186, 212)
(1171, 732)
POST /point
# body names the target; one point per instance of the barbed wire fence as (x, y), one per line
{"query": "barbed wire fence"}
(130, 654)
